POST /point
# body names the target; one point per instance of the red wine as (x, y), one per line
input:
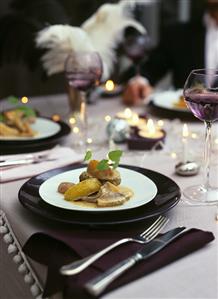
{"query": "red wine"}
(82, 81)
(203, 105)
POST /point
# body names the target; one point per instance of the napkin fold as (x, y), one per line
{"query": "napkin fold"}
(60, 156)
(55, 249)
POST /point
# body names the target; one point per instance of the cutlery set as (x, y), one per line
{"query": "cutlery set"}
(30, 159)
(153, 244)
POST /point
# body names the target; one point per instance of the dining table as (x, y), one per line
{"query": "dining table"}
(193, 276)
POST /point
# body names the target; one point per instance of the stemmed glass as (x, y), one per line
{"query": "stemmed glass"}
(83, 71)
(135, 47)
(201, 97)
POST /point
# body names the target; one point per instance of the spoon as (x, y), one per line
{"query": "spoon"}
(188, 168)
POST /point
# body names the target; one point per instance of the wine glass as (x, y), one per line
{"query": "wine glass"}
(136, 47)
(83, 71)
(201, 97)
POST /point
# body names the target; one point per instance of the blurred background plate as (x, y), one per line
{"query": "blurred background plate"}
(26, 146)
(169, 100)
(43, 127)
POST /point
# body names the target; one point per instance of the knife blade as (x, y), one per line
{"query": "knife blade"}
(26, 161)
(97, 285)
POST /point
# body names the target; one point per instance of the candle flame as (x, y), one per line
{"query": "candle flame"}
(185, 131)
(135, 119)
(24, 100)
(151, 127)
(109, 85)
(128, 113)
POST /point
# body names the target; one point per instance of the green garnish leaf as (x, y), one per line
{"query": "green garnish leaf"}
(27, 111)
(115, 164)
(103, 165)
(112, 162)
(13, 100)
(88, 156)
(115, 155)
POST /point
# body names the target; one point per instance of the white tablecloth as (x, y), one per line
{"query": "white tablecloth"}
(194, 276)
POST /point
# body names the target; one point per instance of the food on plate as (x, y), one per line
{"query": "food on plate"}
(99, 185)
(17, 122)
(84, 188)
(180, 103)
(63, 187)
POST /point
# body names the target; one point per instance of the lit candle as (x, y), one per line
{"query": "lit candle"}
(109, 85)
(133, 120)
(126, 114)
(150, 131)
(185, 135)
(147, 137)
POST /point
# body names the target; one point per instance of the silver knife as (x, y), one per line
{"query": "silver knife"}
(97, 285)
(29, 160)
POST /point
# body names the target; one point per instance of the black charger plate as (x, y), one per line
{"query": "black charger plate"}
(26, 146)
(167, 197)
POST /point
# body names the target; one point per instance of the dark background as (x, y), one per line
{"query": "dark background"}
(18, 78)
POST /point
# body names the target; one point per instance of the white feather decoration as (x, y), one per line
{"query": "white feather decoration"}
(101, 32)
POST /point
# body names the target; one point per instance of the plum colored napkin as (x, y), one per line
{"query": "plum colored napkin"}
(55, 249)
(62, 156)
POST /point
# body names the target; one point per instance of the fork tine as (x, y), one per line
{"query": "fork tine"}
(155, 227)
(157, 230)
(152, 227)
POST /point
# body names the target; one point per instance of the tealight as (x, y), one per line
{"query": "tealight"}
(126, 114)
(147, 138)
(155, 135)
(149, 131)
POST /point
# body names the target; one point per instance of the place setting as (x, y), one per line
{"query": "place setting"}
(160, 194)
(23, 130)
(70, 197)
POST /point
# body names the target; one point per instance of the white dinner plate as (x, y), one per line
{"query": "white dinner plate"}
(44, 127)
(168, 100)
(144, 190)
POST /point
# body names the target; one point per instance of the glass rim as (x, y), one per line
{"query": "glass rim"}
(205, 71)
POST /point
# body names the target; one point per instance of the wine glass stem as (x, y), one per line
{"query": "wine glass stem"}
(207, 152)
(137, 68)
(83, 116)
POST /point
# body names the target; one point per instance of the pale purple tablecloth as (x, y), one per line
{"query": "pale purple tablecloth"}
(194, 276)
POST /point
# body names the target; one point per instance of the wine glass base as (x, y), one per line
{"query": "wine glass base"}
(199, 195)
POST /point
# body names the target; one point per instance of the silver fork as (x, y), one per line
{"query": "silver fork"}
(146, 236)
